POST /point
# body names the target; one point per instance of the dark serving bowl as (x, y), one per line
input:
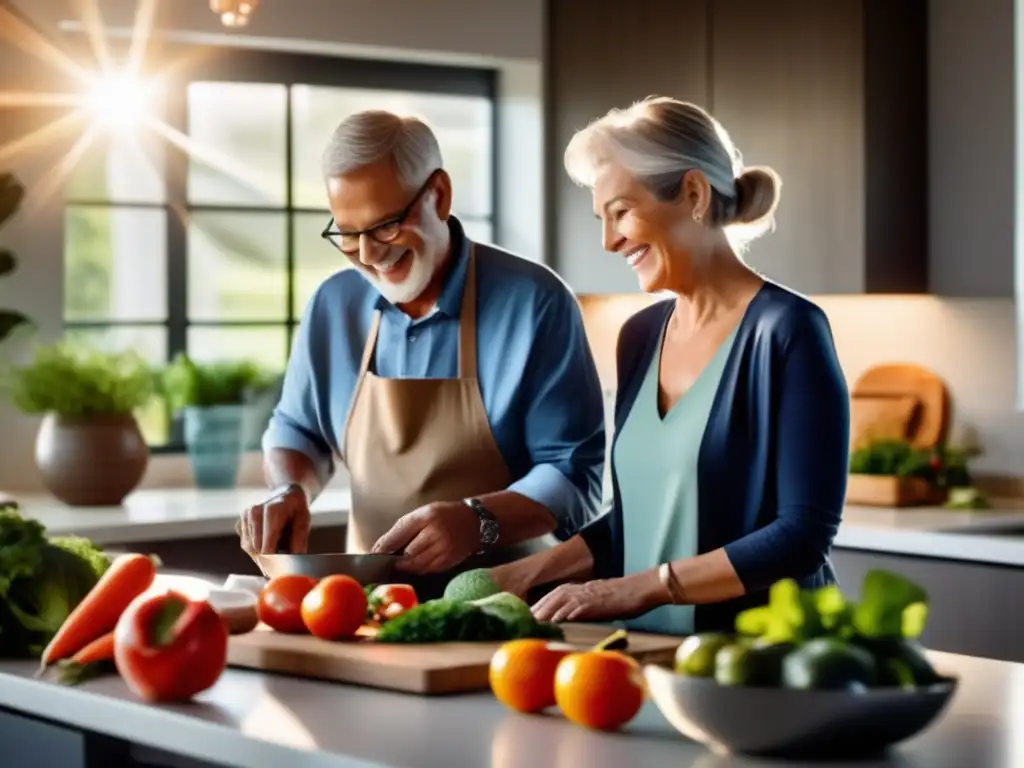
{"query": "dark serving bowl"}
(784, 723)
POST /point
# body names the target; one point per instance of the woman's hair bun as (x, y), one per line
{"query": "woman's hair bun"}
(757, 195)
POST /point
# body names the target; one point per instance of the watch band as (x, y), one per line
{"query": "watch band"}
(489, 530)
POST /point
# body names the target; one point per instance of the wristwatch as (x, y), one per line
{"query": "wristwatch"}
(488, 524)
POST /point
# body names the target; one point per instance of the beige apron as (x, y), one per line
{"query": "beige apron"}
(410, 442)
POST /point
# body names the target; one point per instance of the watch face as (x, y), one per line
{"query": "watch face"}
(488, 531)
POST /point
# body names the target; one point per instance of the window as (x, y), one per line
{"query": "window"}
(216, 250)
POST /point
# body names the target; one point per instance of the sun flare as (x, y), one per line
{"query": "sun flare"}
(108, 95)
(119, 100)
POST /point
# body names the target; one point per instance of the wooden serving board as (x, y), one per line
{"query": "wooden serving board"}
(929, 422)
(436, 668)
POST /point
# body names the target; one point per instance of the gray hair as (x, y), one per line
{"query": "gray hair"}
(658, 140)
(372, 136)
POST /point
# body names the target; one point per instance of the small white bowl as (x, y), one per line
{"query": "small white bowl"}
(251, 584)
(237, 607)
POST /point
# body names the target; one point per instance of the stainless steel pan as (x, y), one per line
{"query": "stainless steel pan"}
(366, 569)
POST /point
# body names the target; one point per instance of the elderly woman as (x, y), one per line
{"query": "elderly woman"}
(732, 417)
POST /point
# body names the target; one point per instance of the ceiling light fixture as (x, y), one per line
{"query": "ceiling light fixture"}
(234, 13)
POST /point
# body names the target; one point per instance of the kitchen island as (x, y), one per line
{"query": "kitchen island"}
(256, 720)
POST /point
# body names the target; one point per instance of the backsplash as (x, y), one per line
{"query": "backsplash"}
(971, 344)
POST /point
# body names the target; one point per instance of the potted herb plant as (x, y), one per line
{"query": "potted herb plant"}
(213, 399)
(893, 473)
(89, 449)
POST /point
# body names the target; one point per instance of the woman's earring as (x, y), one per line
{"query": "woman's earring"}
(697, 217)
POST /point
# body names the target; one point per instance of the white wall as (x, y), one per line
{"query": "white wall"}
(496, 33)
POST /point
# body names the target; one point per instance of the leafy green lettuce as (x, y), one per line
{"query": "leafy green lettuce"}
(41, 581)
(493, 619)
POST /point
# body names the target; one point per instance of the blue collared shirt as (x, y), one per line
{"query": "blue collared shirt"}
(537, 375)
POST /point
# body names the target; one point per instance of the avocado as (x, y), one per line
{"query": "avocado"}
(901, 662)
(471, 585)
(767, 659)
(732, 666)
(696, 656)
(756, 664)
(827, 663)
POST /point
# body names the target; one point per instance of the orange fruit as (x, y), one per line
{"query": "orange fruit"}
(599, 689)
(522, 674)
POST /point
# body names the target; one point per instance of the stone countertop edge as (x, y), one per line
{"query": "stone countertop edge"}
(176, 514)
(257, 720)
(164, 727)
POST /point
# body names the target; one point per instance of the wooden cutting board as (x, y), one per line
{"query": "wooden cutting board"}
(425, 669)
(885, 387)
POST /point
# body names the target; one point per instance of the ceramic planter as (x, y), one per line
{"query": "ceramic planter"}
(213, 437)
(91, 460)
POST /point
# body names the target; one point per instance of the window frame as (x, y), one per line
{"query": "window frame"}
(237, 65)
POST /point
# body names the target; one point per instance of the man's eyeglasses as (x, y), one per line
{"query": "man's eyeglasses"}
(384, 233)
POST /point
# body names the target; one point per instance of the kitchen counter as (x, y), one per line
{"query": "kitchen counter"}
(991, 536)
(250, 720)
(166, 514)
(152, 515)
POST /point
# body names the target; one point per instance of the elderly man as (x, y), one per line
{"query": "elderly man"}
(453, 379)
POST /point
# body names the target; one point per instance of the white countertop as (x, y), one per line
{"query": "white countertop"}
(967, 535)
(159, 515)
(256, 720)
(155, 515)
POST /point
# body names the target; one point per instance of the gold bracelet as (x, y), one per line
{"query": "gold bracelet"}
(671, 584)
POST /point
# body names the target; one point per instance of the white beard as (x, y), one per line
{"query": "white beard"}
(421, 271)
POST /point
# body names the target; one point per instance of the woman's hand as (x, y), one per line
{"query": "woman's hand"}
(602, 599)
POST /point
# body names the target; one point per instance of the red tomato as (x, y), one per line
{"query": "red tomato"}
(335, 608)
(390, 600)
(280, 606)
(169, 648)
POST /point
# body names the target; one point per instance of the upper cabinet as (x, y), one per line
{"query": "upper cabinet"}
(973, 102)
(604, 54)
(832, 95)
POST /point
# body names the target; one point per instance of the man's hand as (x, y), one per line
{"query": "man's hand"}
(260, 527)
(433, 538)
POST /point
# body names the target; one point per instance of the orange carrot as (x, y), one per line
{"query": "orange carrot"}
(100, 649)
(127, 577)
(94, 659)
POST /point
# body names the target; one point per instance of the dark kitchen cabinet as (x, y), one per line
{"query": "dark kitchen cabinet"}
(604, 54)
(971, 605)
(833, 95)
(972, 100)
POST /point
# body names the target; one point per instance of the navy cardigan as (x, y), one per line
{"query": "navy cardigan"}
(774, 457)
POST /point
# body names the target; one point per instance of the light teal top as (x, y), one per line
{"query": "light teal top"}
(656, 463)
